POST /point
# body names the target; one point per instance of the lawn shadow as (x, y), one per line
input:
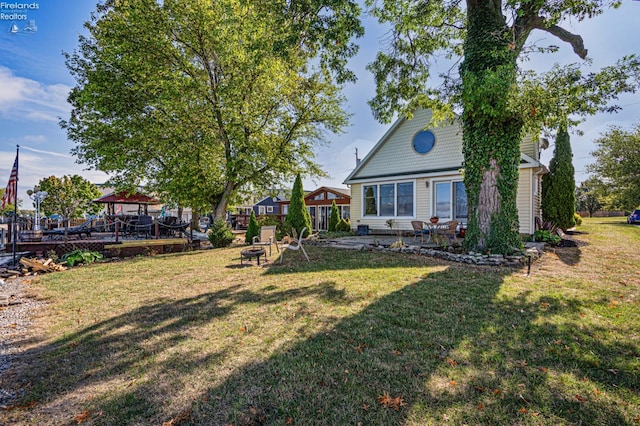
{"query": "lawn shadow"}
(433, 347)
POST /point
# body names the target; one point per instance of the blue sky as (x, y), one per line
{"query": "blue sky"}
(34, 84)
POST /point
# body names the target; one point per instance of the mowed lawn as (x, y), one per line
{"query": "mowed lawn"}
(350, 338)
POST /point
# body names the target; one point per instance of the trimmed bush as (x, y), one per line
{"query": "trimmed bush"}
(253, 229)
(578, 219)
(558, 186)
(334, 217)
(298, 216)
(344, 225)
(220, 234)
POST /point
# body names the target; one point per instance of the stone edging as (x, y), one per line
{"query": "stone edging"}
(532, 252)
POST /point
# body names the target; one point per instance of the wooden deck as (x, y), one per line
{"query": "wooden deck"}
(108, 247)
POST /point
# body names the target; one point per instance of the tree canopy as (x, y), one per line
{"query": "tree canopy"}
(589, 196)
(200, 99)
(497, 99)
(617, 166)
(69, 196)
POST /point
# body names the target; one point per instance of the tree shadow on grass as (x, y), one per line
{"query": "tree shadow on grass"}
(441, 349)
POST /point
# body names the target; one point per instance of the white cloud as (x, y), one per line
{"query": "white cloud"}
(22, 98)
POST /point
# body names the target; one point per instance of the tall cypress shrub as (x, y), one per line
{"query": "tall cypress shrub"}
(298, 216)
(253, 229)
(558, 186)
(334, 217)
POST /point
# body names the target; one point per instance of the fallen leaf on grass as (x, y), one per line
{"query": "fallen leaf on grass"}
(180, 418)
(82, 417)
(451, 362)
(580, 398)
(522, 410)
(288, 421)
(389, 402)
(396, 352)
(365, 407)
(480, 406)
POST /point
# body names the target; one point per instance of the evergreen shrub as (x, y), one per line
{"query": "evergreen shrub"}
(578, 219)
(253, 229)
(334, 217)
(344, 225)
(220, 234)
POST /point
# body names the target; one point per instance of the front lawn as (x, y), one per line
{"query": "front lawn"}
(350, 338)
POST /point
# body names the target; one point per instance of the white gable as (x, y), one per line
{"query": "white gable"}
(394, 157)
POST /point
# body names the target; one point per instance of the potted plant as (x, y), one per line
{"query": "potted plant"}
(434, 219)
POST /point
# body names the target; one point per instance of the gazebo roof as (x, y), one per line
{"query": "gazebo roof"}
(124, 197)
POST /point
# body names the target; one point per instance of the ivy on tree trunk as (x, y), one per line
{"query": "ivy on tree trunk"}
(491, 131)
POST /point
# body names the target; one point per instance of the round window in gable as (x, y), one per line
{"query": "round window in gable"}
(424, 141)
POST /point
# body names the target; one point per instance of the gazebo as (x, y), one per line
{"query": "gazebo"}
(124, 198)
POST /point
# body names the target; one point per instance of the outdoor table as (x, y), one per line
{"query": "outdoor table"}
(248, 254)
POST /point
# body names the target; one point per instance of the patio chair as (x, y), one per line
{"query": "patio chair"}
(295, 245)
(85, 228)
(267, 237)
(142, 226)
(451, 231)
(419, 229)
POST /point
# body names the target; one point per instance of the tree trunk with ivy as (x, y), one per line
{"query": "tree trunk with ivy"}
(491, 131)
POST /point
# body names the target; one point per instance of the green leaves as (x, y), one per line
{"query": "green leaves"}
(70, 196)
(200, 99)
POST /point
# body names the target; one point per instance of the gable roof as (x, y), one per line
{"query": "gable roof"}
(375, 148)
(393, 156)
(124, 197)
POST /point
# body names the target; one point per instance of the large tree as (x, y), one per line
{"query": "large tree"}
(201, 98)
(559, 185)
(499, 102)
(589, 195)
(617, 165)
(69, 196)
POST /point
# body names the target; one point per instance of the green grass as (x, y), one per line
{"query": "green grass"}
(196, 339)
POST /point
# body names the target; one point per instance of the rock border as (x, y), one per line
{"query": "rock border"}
(533, 251)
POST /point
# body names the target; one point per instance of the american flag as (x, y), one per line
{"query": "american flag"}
(12, 187)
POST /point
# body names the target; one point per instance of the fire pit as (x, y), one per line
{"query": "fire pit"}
(248, 254)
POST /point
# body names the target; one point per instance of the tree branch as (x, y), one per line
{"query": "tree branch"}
(573, 39)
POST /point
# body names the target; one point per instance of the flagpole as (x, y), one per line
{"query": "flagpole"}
(15, 211)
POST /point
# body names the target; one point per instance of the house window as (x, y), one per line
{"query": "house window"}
(319, 197)
(396, 199)
(332, 196)
(261, 210)
(269, 209)
(345, 212)
(405, 199)
(451, 200)
(424, 141)
(285, 209)
(371, 200)
(387, 199)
